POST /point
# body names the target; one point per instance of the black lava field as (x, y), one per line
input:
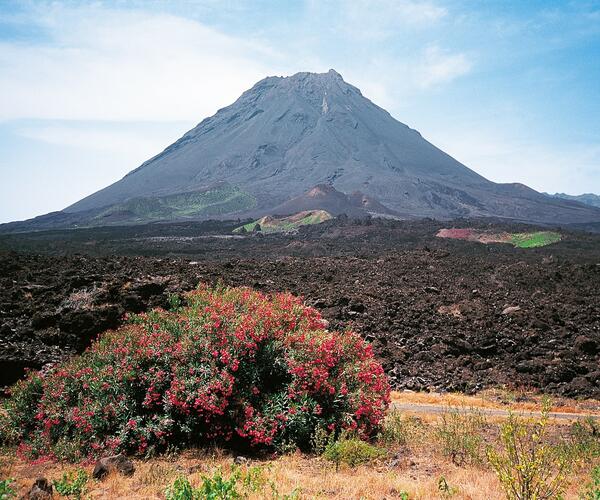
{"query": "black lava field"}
(441, 314)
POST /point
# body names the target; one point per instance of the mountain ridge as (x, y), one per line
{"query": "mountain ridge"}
(286, 135)
(309, 108)
(585, 198)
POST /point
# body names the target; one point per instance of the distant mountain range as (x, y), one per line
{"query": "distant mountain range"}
(587, 198)
(287, 136)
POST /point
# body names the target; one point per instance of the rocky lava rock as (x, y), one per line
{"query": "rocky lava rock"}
(40, 490)
(117, 463)
(369, 277)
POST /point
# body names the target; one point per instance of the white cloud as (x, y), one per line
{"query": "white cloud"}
(92, 139)
(392, 82)
(505, 158)
(440, 66)
(126, 65)
(383, 18)
(55, 164)
(134, 65)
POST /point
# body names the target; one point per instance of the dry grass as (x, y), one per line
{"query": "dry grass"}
(417, 476)
(414, 464)
(414, 467)
(521, 400)
(82, 299)
(314, 478)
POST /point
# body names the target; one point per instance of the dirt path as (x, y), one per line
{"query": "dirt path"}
(429, 409)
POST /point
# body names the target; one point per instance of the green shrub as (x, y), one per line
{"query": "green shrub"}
(592, 489)
(6, 490)
(175, 302)
(528, 465)
(254, 479)
(72, 484)
(585, 438)
(239, 484)
(320, 439)
(399, 429)
(351, 451)
(219, 488)
(181, 489)
(233, 366)
(460, 434)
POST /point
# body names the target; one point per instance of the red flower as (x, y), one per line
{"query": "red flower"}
(232, 361)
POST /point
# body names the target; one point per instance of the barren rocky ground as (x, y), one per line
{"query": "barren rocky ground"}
(441, 314)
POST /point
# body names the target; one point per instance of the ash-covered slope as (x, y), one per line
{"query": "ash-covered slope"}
(286, 135)
(326, 197)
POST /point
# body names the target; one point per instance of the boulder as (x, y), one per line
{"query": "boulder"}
(117, 463)
(40, 490)
(510, 310)
(579, 386)
(357, 307)
(586, 344)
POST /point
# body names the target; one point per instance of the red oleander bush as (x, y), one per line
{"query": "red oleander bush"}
(232, 366)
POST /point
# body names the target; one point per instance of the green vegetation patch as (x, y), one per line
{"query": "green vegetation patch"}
(533, 240)
(270, 224)
(251, 482)
(519, 240)
(352, 451)
(222, 199)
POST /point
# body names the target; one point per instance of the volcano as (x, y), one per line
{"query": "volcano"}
(287, 135)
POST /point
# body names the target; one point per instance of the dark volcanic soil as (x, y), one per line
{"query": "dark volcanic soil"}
(432, 308)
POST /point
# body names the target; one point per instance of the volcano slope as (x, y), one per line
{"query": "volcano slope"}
(287, 134)
(434, 309)
(284, 137)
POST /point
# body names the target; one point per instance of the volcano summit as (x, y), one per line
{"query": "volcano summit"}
(288, 134)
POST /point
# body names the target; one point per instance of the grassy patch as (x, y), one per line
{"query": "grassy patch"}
(592, 488)
(285, 224)
(399, 429)
(523, 458)
(238, 484)
(519, 240)
(533, 240)
(352, 452)
(461, 436)
(219, 200)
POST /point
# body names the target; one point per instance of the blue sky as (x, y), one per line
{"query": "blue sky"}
(89, 90)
